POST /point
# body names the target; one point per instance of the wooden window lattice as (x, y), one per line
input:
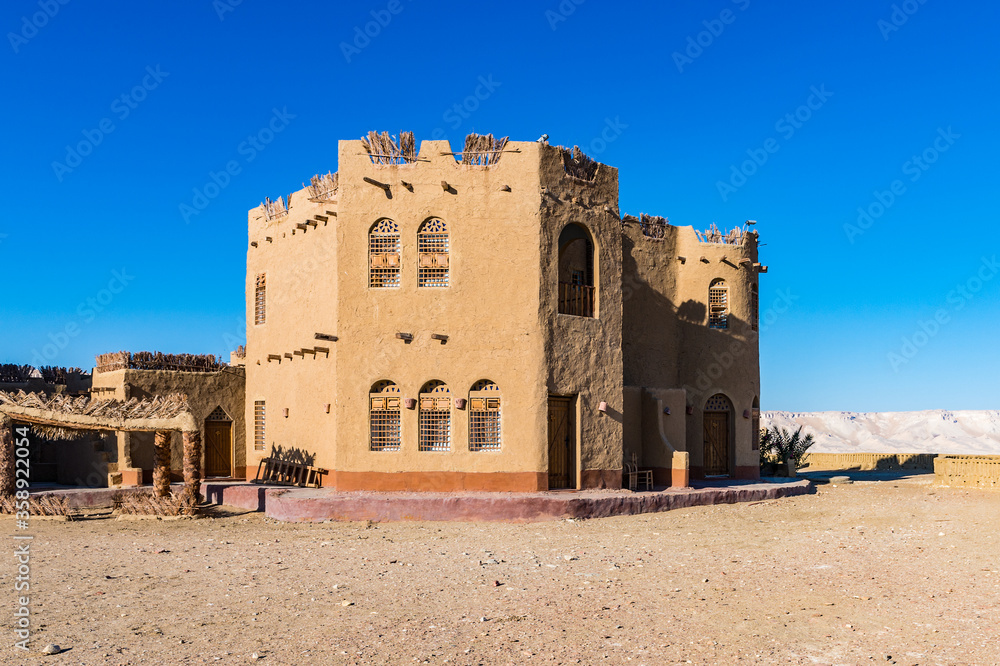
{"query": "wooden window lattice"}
(218, 414)
(432, 254)
(718, 305)
(383, 255)
(260, 300)
(484, 417)
(435, 418)
(384, 417)
(258, 425)
(718, 403)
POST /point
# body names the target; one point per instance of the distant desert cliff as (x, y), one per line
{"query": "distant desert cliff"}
(931, 431)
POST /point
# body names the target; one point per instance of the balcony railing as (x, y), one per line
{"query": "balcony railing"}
(576, 299)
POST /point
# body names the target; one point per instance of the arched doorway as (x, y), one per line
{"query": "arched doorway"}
(218, 444)
(717, 417)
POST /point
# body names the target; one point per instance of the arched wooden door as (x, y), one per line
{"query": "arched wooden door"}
(218, 444)
(716, 425)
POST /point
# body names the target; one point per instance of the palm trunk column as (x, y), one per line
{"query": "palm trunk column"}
(7, 484)
(161, 464)
(192, 470)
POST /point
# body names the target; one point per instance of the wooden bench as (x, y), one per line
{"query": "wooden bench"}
(273, 471)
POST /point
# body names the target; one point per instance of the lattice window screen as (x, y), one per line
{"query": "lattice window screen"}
(718, 305)
(435, 418)
(484, 417)
(260, 300)
(258, 425)
(384, 417)
(432, 254)
(218, 414)
(718, 403)
(383, 255)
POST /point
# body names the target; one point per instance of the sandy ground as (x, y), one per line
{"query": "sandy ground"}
(889, 571)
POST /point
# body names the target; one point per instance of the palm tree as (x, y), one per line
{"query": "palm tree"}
(778, 446)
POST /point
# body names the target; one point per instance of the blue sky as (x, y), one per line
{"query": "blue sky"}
(835, 105)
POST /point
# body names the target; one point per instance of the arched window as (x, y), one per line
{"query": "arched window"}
(577, 293)
(718, 304)
(383, 401)
(383, 254)
(484, 416)
(435, 417)
(432, 254)
(754, 307)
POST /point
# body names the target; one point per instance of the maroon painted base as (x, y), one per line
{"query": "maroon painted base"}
(316, 505)
(249, 496)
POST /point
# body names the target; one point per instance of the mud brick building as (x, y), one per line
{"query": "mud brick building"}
(488, 320)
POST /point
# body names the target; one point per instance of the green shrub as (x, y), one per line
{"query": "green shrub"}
(778, 445)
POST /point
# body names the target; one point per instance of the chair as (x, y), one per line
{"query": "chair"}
(636, 476)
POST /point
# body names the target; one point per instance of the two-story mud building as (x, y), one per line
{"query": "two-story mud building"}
(490, 321)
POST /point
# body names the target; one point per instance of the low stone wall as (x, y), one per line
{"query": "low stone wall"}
(967, 471)
(871, 461)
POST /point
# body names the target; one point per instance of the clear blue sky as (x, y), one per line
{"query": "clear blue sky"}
(209, 78)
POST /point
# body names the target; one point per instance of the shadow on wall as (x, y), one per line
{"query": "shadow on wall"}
(703, 357)
(692, 312)
(292, 455)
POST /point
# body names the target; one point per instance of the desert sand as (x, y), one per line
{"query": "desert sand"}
(888, 571)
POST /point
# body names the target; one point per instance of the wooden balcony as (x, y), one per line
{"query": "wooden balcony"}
(576, 299)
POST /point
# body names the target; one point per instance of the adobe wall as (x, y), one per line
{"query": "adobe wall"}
(967, 471)
(301, 300)
(205, 392)
(655, 431)
(718, 361)
(870, 461)
(667, 341)
(584, 354)
(490, 313)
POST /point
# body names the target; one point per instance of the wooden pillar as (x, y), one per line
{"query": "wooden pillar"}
(192, 470)
(7, 484)
(161, 463)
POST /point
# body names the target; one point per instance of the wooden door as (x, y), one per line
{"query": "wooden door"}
(562, 472)
(218, 448)
(716, 443)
